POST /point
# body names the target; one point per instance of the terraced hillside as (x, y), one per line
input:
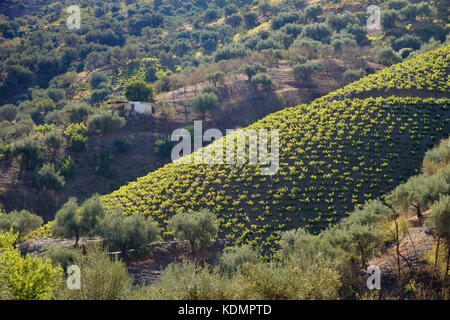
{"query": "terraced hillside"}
(334, 153)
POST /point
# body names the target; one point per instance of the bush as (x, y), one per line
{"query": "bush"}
(353, 75)
(5, 151)
(303, 72)
(298, 279)
(407, 41)
(121, 232)
(68, 168)
(264, 81)
(30, 152)
(97, 79)
(105, 122)
(104, 164)
(75, 128)
(317, 31)
(252, 69)
(22, 222)
(122, 144)
(101, 277)
(8, 112)
(53, 141)
(284, 18)
(188, 281)
(28, 278)
(164, 109)
(78, 112)
(163, 148)
(99, 95)
(48, 178)
(313, 11)
(210, 89)
(78, 143)
(437, 157)
(387, 56)
(234, 258)
(139, 91)
(197, 227)
(61, 256)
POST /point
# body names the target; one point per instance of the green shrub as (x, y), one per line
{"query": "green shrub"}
(197, 227)
(68, 168)
(264, 81)
(75, 128)
(48, 178)
(61, 256)
(353, 75)
(303, 72)
(187, 281)
(78, 143)
(298, 279)
(252, 69)
(104, 164)
(234, 258)
(163, 148)
(122, 144)
(5, 151)
(139, 91)
(101, 277)
(22, 222)
(164, 109)
(53, 141)
(28, 278)
(77, 112)
(97, 78)
(31, 153)
(105, 122)
(8, 112)
(121, 232)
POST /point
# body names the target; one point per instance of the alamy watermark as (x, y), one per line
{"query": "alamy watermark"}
(74, 277)
(374, 20)
(374, 280)
(74, 20)
(258, 147)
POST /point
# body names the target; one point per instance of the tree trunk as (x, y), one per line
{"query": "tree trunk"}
(363, 257)
(76, 240)
(436, 256)
(419, 212)
(444, 288)
(398, 255)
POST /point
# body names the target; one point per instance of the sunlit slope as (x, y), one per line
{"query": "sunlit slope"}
(428, 72)
(333, 155)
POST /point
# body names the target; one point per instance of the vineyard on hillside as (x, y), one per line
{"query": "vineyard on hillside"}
(333, 156)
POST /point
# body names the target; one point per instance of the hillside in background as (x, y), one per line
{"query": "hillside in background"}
(334, 153)
(354, 109)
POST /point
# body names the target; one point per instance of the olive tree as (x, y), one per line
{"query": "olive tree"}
(197, 227)
(22, 222)
(439, 219)
(419, 192)
(74, 221)
(204, 102)
(122, 232)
